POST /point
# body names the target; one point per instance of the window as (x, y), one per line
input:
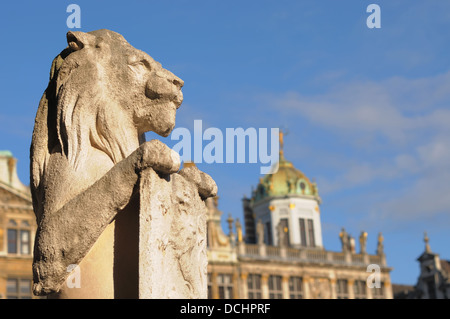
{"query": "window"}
(302, 186)
(254, 286)
(18, 288)
(303, 232)
(209, 287)
(275, 290)
(269, 234)
(19, 238)
(285, 228)
(312, 242)
(431, 288)
(25, 242)
(307, 233)
(25, 288)
(378, 293)
(342, 289)
(12, 288)
(12, 241)
(225, 284)
(359, 289)
(295, 288)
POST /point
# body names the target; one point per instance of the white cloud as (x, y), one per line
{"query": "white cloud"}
(393, 140)
(396, 109)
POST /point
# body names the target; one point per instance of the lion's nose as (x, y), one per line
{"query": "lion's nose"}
(172, 78)
(165, 85)
(177, 81)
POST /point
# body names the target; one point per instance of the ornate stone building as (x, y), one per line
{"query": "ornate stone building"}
(434, 278)
(433, 281)
(17, 231)
(282, 254)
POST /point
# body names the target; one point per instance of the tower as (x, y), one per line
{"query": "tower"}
(286, 201)
(433, 281)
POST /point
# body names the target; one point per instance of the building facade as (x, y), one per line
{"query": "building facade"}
(434, 278)
(280, 256)
(282, 253)
(17, 232)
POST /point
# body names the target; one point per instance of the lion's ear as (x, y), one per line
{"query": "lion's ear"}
(77, 40)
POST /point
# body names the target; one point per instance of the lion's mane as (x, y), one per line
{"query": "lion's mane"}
(71, 120)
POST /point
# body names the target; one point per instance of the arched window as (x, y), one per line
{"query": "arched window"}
(302, 187)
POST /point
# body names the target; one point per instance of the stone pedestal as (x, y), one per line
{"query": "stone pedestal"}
(172, 238)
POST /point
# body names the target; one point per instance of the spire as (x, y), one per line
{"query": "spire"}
(238, 230)
(281, 145)
(380, 246)
(427, 245)
(230, 225)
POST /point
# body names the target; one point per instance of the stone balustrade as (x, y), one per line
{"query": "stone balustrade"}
(307, 255)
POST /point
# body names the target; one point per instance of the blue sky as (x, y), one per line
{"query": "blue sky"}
(367, 110)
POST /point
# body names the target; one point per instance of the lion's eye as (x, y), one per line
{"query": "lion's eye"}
(141, 63)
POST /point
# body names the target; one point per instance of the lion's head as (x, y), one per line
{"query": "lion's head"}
(102, 93)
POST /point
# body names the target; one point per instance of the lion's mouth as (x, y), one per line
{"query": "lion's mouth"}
(151, 94)
(176, 99)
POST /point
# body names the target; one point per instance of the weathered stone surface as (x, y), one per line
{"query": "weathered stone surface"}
(172, 259)
(88, 152)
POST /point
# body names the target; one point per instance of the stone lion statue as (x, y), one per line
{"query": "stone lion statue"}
(87, 153)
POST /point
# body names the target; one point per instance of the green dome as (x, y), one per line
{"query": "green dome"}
(286, 181)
